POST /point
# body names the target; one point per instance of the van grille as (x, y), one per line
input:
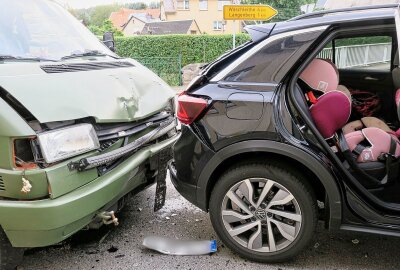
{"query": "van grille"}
(84, 66)
(2, 188)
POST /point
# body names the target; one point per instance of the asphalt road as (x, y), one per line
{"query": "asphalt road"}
(120, 247)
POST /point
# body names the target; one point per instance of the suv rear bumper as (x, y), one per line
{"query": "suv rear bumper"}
(186, 190)
(46, 222)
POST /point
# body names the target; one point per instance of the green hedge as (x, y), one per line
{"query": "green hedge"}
(192, 48)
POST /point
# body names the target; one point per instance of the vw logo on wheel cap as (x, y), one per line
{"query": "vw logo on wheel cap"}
(260, 214)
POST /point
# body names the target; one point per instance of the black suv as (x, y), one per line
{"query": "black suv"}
(256, 150)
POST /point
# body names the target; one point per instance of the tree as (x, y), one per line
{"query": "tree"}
(138, 5)
(99, 14)
(154, 5)
(82, 15)
(286, 9)
(106, 27)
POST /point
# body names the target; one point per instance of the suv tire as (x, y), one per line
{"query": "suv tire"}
(282, 185)
(10, 257)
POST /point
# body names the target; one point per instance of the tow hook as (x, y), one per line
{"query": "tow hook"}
(108, 218)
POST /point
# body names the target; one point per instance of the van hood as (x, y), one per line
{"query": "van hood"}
(120, 93)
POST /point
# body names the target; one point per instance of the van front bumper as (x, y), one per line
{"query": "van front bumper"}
(50, 221)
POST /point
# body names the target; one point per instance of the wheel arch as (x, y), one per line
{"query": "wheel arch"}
(272, 150)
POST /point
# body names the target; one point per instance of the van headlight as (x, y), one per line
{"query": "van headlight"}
(67, 142)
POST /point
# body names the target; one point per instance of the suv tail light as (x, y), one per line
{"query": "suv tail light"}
(189, 108)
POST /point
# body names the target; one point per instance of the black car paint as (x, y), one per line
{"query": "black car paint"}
(215, 137)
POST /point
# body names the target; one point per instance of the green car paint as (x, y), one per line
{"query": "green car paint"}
(49, 221)
(109, 95)
(62, 201)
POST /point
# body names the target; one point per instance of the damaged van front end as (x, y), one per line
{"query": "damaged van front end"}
(73, 149)
(81, 129)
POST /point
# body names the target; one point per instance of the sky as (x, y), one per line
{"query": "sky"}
(91, 3)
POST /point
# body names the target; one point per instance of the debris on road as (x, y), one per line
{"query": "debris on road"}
(179, 247)
(355, 241)
(112, 249)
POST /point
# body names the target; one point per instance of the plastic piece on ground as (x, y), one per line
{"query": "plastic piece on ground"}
(180, 247)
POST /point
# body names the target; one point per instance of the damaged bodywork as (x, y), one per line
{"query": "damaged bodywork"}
(81, 130)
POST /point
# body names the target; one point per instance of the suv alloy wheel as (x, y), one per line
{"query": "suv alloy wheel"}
(263, 212)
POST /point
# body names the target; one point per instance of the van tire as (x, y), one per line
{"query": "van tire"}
(10, 257)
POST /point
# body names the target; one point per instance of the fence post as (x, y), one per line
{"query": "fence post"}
(366, 54)
(385, 54)
(342, 53)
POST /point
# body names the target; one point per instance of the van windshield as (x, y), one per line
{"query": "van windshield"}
(43, 29)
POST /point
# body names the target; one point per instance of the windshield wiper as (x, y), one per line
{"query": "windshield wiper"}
(20, 58)
(87, 53)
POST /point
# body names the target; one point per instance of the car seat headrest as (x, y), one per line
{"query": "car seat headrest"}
(331, 113)
(321, 75)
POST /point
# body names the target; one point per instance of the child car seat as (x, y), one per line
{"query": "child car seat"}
(311, 77)
(324, 68)
(371, 152)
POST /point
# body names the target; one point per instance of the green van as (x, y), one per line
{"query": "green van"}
(81, 129)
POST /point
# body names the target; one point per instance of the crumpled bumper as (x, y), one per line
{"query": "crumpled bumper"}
(46, 222)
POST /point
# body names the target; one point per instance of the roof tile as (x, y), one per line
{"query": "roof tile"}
(121, 17)
(167, 27)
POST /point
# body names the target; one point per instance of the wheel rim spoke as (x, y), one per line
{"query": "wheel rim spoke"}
(286, 230)
(264, 224)
(243, 228)
(255, 241)
(285, 214)
(247, 190)
(281, 197)
(271, 238)
(233, 216)
(264, 192)
(239, 202)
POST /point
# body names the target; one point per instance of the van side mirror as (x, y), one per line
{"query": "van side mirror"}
(108, 40)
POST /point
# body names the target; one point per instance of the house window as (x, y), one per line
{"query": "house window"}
(183, 4)
(218, 25)
(222, 3)
(203, 4)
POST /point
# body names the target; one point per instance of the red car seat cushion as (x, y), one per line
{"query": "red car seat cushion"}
(331, 113)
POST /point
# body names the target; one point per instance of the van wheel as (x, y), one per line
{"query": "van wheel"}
(10, 257)
(263, 212)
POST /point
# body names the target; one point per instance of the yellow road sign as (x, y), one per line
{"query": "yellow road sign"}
(249, 12)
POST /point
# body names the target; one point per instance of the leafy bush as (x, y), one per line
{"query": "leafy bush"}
(106, 27)
(167, 54)
(192, 48)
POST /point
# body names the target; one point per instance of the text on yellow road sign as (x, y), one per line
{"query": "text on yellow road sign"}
(249, 12)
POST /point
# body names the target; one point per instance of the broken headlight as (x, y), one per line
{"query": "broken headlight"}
(67, 142)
